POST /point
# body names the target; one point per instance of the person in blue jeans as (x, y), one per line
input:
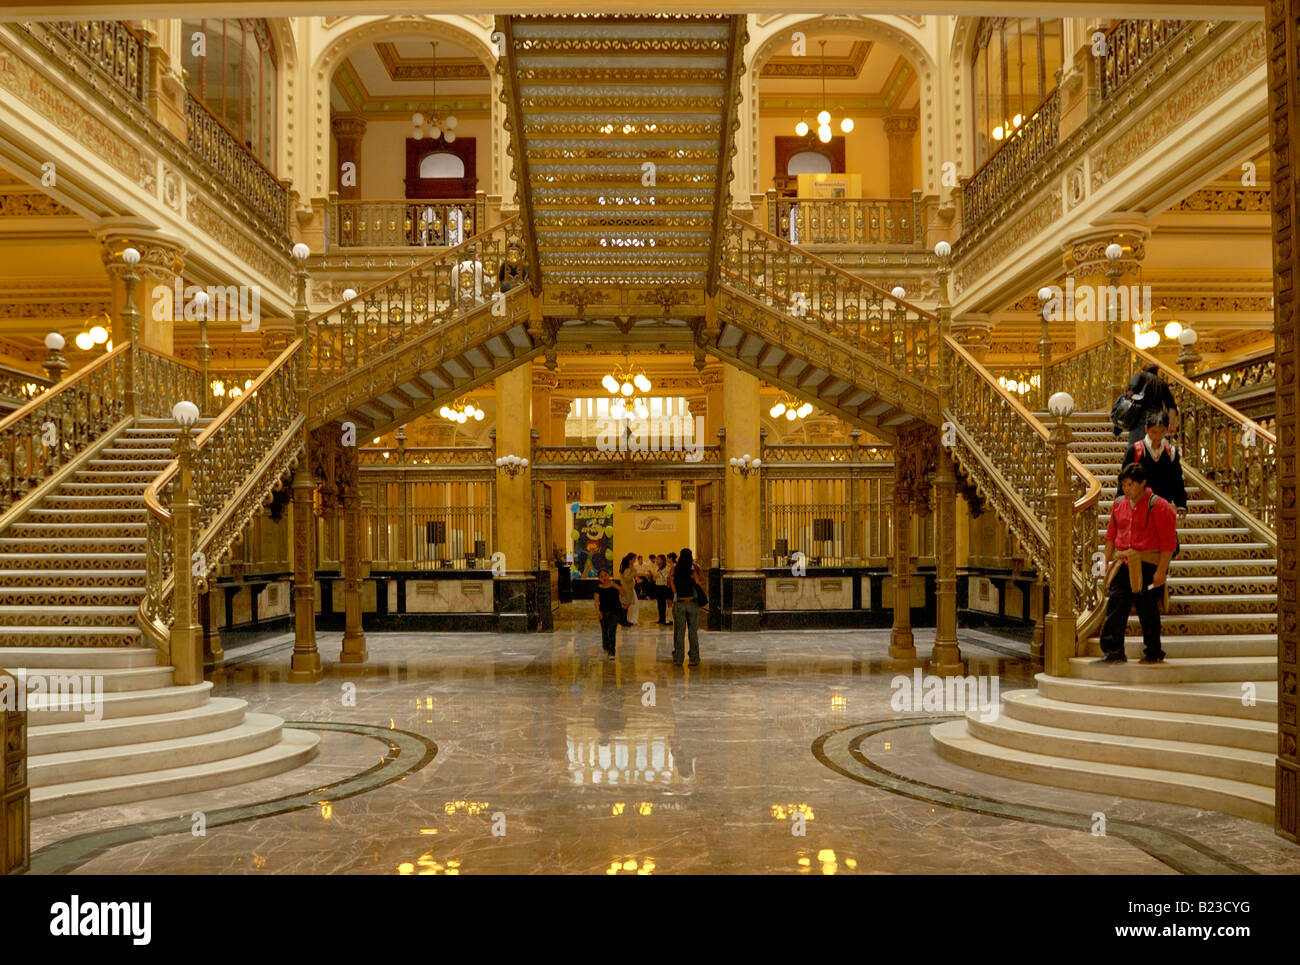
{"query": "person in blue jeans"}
(610, 609)
(686, 612)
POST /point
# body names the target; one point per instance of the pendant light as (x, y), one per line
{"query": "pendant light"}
(439, 126)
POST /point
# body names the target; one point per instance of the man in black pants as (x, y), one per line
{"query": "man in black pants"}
(610, 609)
(1142, 537)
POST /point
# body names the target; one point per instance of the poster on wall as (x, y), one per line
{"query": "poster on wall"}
(593, 540)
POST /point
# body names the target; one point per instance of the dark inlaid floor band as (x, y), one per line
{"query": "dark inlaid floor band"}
(841, 751)
(407, 752)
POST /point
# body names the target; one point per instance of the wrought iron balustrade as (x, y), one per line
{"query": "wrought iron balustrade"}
(17, 387)
(388, 457)
(413, 224)
(1087, 374)
(235, 164)
(113, 47)
(847, 221)
(1014, 161)
(807, 289)
(1130, 45)
(1244, 376)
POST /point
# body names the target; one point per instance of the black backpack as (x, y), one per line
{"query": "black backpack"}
(1126, 415)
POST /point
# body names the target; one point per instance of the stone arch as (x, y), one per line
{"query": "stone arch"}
(462, 30)
(903, 38)
(963, 120)
(286, 49)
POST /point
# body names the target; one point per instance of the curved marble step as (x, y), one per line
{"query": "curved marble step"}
(295, 748)
(77, 657)
(219, 713)
(1251, 801)
(133, 703)
(1198, 645)
(1034, 708)
(1210, 698)
(38, 636)
(1177, 669)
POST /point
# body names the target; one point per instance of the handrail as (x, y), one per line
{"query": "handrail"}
(66, 385)
(1074, 353)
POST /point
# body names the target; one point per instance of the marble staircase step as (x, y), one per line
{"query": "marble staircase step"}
(95, 561)
(1231, 626)
(88, 514)
(1032, 707)
(1222, 603)
(1177, 669)
(295, 747)
(1252, 801)
(38, 636)
(1222, 569)
(1208, 760)
(103, 529)
(67, 617)
(137, 460)
(253, 733)
(219, 713)
(72, 577)
(113, 680)
(1210, 698)
(80, 657)
(61, 500)
(70, 596)
(134, 703)
(1210, 586)
(1197, 645)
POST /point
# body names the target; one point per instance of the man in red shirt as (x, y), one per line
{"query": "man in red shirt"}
(1141, 539)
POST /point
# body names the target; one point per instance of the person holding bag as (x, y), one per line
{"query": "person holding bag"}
(688, 597)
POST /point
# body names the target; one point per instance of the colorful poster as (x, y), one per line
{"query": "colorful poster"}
(593, 540)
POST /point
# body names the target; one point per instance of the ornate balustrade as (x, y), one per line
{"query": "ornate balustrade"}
(1087, 374)
(1015, 160)
(1256, 373)
(847, 221)
(113, 47)
(61, 423)
(389, 457)
(432, 295)
(234, 164)
(237, 461)
(803, 286)
(1008, 455)
(555, 457)
(1230, 452)
(434, 223)
(1130, 45)
(1022, 381)
(18, 387)
(163, 380)
(823, 453)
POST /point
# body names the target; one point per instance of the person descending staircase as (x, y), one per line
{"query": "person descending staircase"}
(72, 575)
(1199, 729)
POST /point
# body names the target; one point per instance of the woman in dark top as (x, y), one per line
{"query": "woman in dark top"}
(610, 609)
(1151, 393)
(686, 612)
(1160, 460)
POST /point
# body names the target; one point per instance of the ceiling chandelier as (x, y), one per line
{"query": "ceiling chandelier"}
(625, 379)
(94, 333)
(620, 408)
(462, 412)
(824, 117)
(439, 125)
(792, 409)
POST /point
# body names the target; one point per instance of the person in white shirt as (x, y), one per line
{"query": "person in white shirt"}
(662, 590)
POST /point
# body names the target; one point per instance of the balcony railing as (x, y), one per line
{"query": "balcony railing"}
(1129, 46)
(1237, 378)
(847, 221)
(235, 164)
(111, 46)
(404, 223)
(1015, 160)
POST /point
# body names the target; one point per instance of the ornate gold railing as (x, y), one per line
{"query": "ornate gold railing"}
(17, 387)
(1234, 456)
(62, 422)
(1086, 374)
(826, 453)
(213, 142)
(1014, 160)
(1130, 44)
(111, 46)
(389, 456)
(555, 456)
(435, 223)
(1256, 372)
(1006, 453)
(163, 380)
(847, 221)
(865, 316)
(238, 460)
(431, 295)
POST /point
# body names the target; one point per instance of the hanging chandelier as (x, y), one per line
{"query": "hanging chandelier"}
(824, 116)
(620, 408)
(439, 125)
(625, 379)
(792, 409)
(94, 333)
(462, 412)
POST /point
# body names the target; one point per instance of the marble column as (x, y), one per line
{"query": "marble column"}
(354, 637)
(161, 264)
(743, 586)
(560, 406)
(348, 132)
(900, 130)
(304, 666)
(515, 530)
(544, 383)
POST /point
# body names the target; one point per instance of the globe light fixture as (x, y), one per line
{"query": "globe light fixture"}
(55, 342)
(185, 413)
(436, 125)
(84, 341)
(1060, 404)
(301, 252)
(942, 250)
(1173, 328)
(801, 128)
(824, 118)
(898, 291)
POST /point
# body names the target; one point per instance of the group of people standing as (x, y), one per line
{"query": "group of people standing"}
(671, 577)
(1142, 535)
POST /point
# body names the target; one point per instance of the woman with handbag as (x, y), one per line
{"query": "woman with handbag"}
(688, 597)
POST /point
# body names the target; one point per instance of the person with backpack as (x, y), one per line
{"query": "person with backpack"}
(1140, 541)
(1147, 392)
(1160, 461)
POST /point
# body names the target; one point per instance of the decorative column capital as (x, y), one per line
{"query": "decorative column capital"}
(348, 126)
(560, 406)
(711, 376)
(899, 125)
(1085, 254)
(544, 378)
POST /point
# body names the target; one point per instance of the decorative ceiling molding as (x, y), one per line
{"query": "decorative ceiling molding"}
(810, 65)
(422, 68)
(361, 101)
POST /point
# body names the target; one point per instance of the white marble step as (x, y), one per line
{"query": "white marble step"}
(77, 617)
(1034, 708)
(296, 747)
(1210, 698)
(1198, 645)
(219, 713)
(134, 703)
(1252, 801)
(114, 680)
(253, 733)
(88, 637)
(1177, 669)
(79, 657)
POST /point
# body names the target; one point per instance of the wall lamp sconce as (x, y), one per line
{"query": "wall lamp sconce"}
(745, 465)
(512, 465)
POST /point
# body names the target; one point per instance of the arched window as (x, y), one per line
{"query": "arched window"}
(441, 165)
(1013, 71)
(808, 162)
(230, 66)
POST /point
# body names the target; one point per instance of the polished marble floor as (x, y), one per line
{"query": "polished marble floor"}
(781, 753)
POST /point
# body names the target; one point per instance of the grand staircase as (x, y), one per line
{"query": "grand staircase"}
(1199, 729)
(72, 576)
